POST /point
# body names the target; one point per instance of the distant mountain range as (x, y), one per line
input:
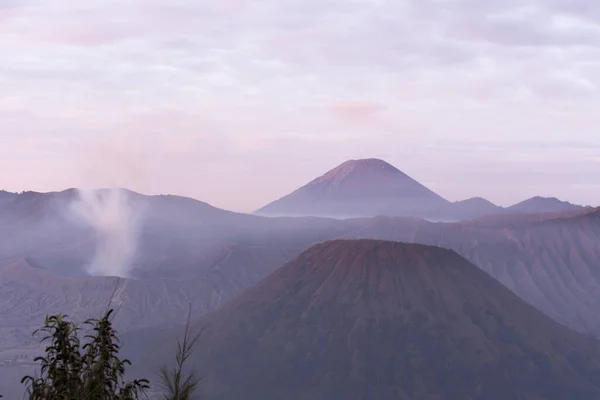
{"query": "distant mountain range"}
(354, 189)
(372, 187)
(382, 320)
(191, 252)
(184, 239)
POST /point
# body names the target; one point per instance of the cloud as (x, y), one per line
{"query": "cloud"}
(355, 111)
(210, 99)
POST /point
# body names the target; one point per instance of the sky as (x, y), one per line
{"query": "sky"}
(239, 102)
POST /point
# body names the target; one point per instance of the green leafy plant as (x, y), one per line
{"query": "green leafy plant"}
(72, 371)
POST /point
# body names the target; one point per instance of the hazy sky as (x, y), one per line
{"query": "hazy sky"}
(237, 102)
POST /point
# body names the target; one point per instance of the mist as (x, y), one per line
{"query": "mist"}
(116, 223)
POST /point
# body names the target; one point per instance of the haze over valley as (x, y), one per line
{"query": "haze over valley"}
(67, 252)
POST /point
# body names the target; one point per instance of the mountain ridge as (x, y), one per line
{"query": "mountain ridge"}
(373, 187)
(539, 204)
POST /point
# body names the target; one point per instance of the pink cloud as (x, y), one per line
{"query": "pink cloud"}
(355, 111)
(94, 27)
(81, 36)
(80, 28)
(6, 14)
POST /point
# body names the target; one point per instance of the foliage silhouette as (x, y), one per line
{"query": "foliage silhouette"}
(176, 384)
(92, 371)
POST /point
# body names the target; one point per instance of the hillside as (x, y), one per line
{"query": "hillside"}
(550, 260)
(467, 209)
(45, 226)
(373, 319)
(6, 197)
(205, 278)
(541, 205)
(36, 206)
(358, 188)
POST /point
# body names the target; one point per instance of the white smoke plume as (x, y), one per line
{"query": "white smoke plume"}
(116, 223)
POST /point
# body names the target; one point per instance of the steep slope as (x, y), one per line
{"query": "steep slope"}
(382, 320)
(358, 188)
(551, 260)
(542, 204)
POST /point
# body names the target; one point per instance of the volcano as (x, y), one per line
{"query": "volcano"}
(383, 320)
(358, 188)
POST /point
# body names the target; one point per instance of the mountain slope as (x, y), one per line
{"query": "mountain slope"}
(542, 204)
(358, 188)
(551, 260)
(45, 226)
(467, 209)
(34, 206)
(6, 197)
(382, 320)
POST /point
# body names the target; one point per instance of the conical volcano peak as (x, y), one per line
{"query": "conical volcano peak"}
(366, 319)
(370, 254)
(358, 188)
(351, 270)
(369, 163)
(358, 169)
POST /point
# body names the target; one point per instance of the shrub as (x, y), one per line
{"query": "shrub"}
(92, 371)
